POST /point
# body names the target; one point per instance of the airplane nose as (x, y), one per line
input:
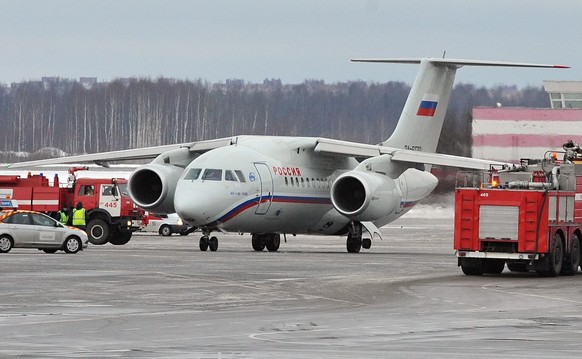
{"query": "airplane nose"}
(195, 207)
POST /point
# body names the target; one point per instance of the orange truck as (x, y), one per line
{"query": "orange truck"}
(111, 214)
(528, 216)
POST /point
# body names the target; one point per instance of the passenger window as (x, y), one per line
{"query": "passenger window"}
(297, 181)
(302, 182)
(212, 175)
(21, 218)
(229, 176)
(42, 220)
(286, 182)
(307, 180)
(192, 174)
(241, 176)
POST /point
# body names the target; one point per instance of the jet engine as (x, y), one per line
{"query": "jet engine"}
(152, 186)
(365, 195)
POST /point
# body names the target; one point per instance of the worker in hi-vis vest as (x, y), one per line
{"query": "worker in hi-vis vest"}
(63, 215)
(79, 216)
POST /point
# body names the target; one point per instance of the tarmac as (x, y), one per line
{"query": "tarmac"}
(160, 297)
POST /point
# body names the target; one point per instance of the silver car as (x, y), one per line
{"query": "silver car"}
(29, 229)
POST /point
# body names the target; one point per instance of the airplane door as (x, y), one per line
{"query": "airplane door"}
(266, 194)
(109, 200)
(401, 181)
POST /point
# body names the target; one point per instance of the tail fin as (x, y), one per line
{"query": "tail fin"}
(421, 121)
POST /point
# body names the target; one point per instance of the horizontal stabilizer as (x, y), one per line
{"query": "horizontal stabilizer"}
(457, 62)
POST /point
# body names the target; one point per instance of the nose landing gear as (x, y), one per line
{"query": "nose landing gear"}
(208, 243)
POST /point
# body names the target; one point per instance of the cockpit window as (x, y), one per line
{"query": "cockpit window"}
(212, 175)
(229, 176)
(241, 176)
(192, 174)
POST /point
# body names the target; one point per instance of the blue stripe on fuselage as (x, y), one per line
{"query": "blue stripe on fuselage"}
(279, 199)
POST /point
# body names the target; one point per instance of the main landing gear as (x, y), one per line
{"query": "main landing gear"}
(271, 241)
(355, 242)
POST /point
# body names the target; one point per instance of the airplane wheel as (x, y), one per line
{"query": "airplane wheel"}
(258, 242)
(354, 243)
(49, 250)
(273, 242)
(204, 243)
(366, 243)
(213, 244)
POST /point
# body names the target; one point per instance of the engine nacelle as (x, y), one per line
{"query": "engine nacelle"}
(152, 186)
(364, 195)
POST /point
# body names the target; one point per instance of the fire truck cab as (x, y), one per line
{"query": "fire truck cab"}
(526, 216)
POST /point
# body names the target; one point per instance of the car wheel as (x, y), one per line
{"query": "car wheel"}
(165, 230)
(49, 250)
(72, 245)
(6, 244)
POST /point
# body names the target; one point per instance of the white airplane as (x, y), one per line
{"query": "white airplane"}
(270, 185)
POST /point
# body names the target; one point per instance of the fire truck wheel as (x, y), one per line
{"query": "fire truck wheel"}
(472, 266)
(572, 260)
(556, 257)
(5, 244)
(166, 230)
(120, 238)
(493, 266)
(519, 267)
(98, 231)
(72, 245)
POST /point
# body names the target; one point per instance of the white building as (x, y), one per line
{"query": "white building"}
(510, 134)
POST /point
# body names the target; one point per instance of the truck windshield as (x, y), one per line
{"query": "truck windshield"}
(123, 189)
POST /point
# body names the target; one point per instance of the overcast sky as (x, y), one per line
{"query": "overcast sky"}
(292, 40)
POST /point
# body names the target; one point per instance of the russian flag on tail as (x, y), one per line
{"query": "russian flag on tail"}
(428, 105)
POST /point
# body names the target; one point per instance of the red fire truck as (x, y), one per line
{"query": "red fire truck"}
(527, 216)
(111, 214)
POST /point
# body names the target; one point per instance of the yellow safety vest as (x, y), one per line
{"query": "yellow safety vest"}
(79, 217)
(64, 218)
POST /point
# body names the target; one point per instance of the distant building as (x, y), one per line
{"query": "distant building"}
(510, 134)
(564, 94)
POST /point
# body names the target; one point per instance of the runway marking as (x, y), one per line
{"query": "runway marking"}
(486, 287)
(257, 287)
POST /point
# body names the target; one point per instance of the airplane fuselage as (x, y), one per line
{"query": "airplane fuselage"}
(268, 185)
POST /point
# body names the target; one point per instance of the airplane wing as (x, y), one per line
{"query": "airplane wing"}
(103, 158)
(354, 149)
